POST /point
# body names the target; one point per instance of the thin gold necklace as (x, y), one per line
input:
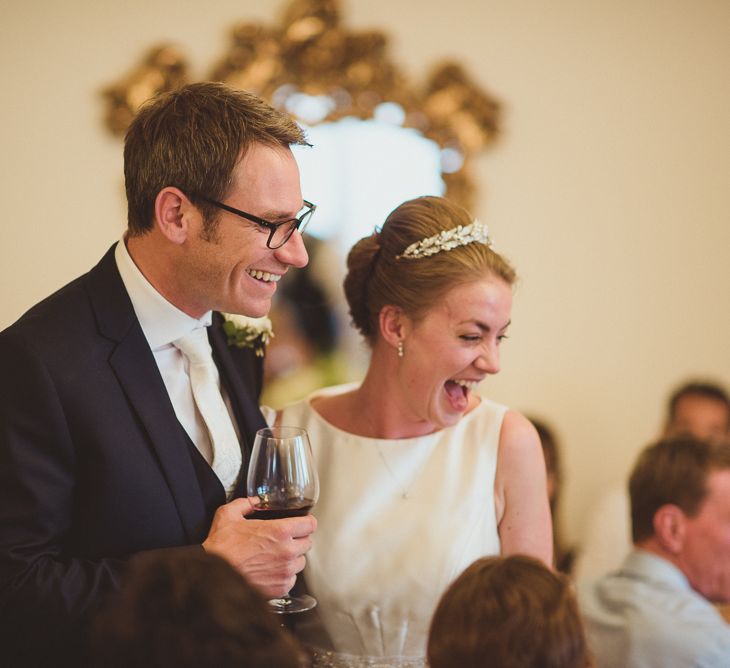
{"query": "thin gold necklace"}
(404, 492)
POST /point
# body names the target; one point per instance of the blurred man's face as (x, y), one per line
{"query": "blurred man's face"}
(701, 417)
(705, 554)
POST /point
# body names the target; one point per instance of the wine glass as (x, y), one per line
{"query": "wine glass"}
(282, 475)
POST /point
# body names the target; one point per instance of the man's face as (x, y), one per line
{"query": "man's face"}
(232, 269)
(705, 554)
(699, 416)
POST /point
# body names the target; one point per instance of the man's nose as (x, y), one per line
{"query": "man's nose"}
(293, 253)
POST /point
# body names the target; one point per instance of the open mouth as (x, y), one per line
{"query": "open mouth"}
(458, 392)
(263, 276)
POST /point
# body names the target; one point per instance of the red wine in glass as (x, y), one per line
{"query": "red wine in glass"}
(264, 512)
(282, 475)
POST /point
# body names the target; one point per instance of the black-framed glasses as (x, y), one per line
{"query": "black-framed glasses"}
(279, 233)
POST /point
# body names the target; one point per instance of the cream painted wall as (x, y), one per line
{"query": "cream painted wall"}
(608, 188)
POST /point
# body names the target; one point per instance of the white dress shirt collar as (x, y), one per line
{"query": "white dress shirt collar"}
(161, 321)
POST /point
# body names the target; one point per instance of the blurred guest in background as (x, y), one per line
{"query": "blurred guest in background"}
(303, 355)
(189, 609)
(420, 475)
(700, 409)
(657, 609)
(563, 557)
(508, 612)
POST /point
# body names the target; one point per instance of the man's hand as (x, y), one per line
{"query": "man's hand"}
(269, 553)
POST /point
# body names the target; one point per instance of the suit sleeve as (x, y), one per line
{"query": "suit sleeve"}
(44, 591)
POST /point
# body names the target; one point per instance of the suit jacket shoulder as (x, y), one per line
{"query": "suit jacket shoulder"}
(94, 465)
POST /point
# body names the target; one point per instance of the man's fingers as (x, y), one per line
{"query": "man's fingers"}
(247, 505)
(288, 527)
(236, 508)
(276, 589)
(298, 565)
(301, 527)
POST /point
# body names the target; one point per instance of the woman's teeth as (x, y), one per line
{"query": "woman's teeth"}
(263, 275)
(468, 384)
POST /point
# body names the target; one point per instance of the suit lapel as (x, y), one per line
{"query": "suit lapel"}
(134, 365)
(241, 372)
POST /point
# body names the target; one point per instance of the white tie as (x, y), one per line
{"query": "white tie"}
(206, 392)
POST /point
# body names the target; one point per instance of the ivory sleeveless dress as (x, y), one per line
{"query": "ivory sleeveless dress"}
(398, 521)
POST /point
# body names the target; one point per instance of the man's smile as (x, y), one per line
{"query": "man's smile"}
(264, 276)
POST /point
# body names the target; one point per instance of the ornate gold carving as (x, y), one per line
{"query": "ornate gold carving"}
(163, 68)
(312, 53)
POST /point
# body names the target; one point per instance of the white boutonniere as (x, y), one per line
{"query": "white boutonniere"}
(245, 332)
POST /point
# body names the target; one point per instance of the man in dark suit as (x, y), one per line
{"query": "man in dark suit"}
(104, 452)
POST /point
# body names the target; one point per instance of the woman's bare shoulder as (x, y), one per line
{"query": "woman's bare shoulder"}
(518, 430)
(520, 454)
(334, 408)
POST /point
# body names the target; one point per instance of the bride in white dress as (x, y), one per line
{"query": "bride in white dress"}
(419, 475)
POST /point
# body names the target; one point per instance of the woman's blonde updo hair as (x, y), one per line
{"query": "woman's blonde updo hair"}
(376, 278)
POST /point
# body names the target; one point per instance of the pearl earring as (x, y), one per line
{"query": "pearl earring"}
(401, 352)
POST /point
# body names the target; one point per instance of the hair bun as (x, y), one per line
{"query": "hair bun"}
(361, 264)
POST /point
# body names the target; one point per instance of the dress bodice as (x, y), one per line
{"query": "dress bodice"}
(398, 521)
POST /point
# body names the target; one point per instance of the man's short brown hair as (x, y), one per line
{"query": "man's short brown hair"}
(192, 138)
(673, 471)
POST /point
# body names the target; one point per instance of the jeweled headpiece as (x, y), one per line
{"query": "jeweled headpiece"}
(447, 240)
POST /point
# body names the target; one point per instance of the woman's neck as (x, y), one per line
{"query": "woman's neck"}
(376, 409)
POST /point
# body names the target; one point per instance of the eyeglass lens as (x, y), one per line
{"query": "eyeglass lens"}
(283, 232)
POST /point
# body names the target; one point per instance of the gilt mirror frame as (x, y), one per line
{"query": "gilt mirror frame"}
(310, 51)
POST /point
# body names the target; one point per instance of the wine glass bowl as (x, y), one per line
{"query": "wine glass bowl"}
(283, 476)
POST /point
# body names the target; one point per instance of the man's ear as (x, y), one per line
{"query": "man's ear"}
(172, 214)
(670, 525)
(394, 324)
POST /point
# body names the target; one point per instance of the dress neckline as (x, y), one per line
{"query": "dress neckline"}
(341, 389)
